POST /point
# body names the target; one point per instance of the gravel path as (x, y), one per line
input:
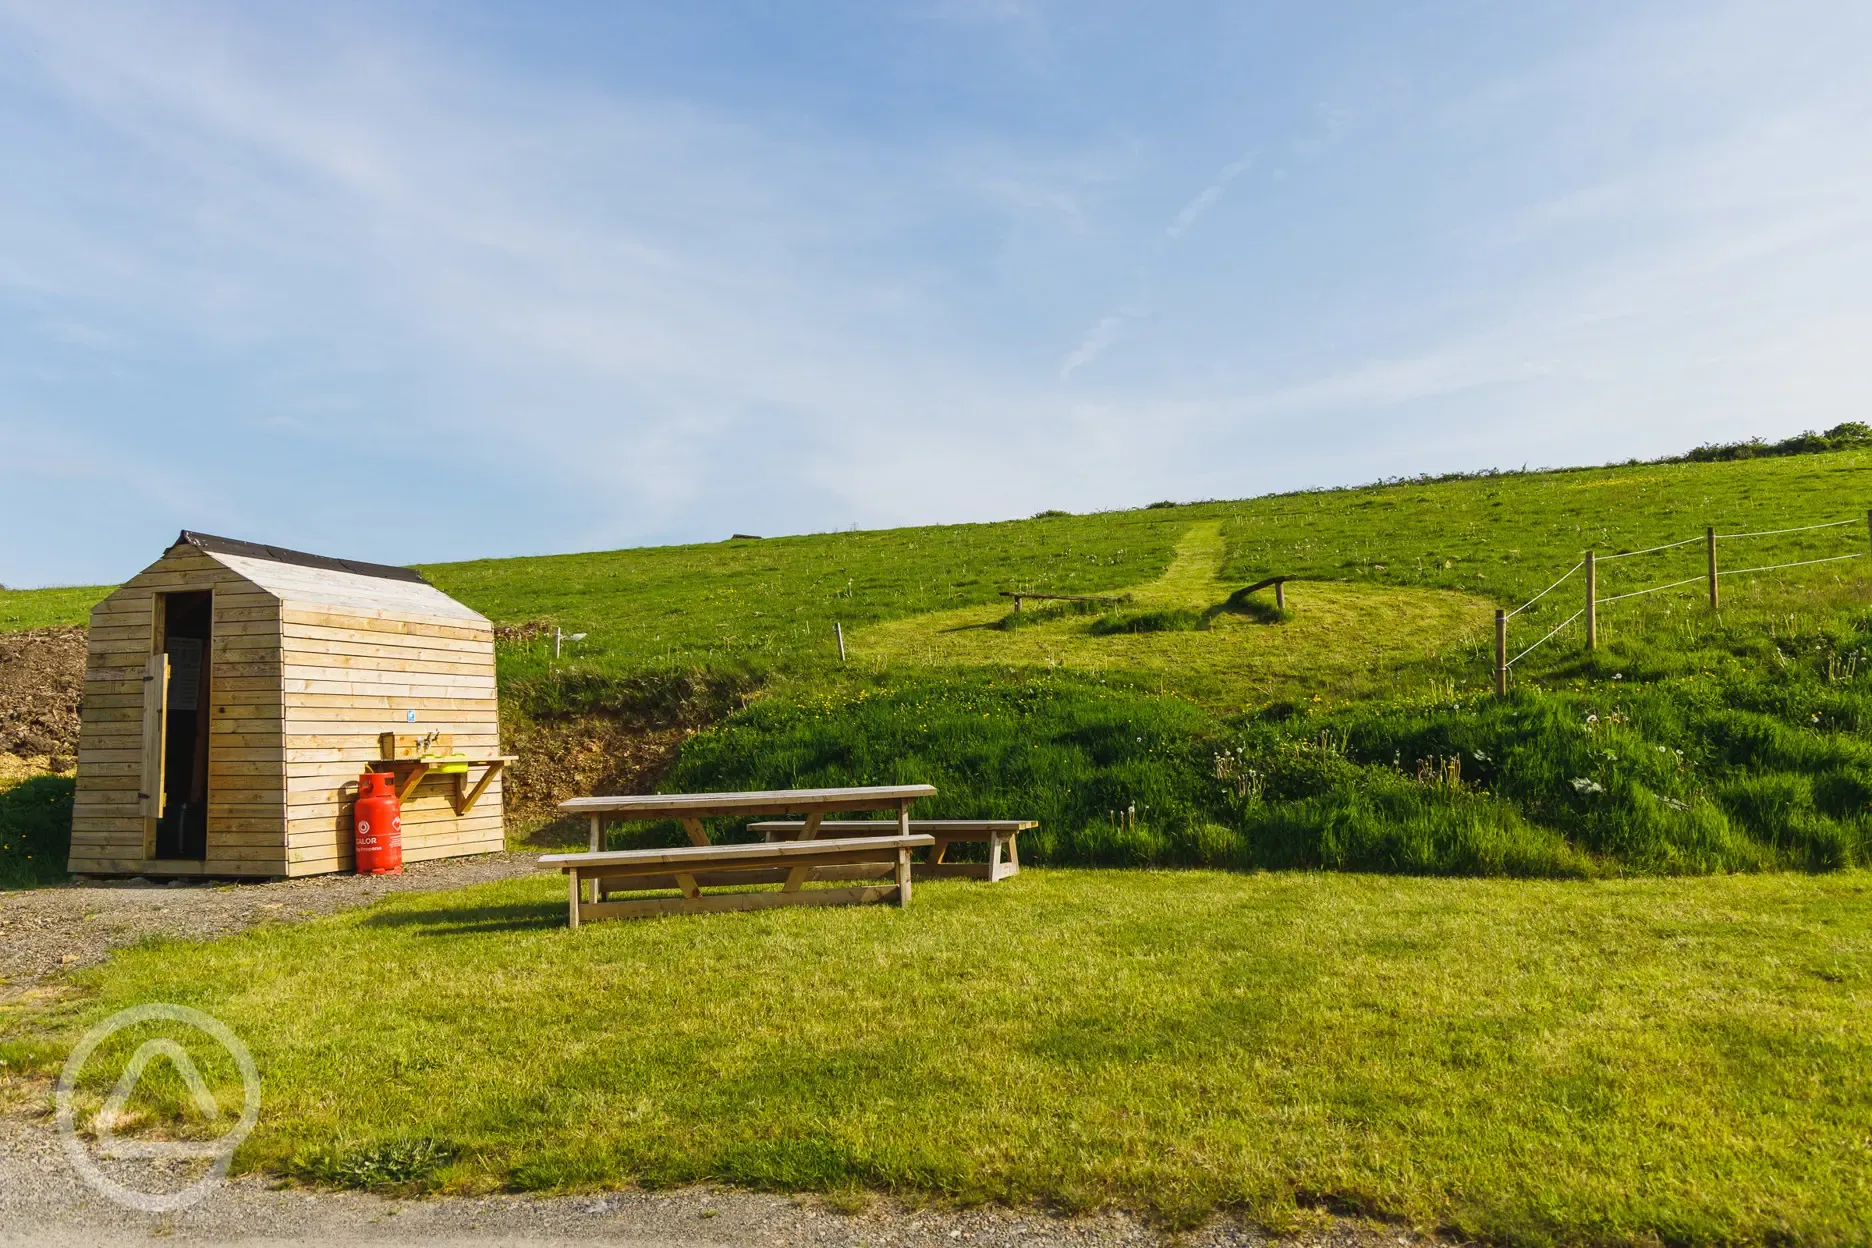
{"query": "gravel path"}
(49, 929)
(43, 1203)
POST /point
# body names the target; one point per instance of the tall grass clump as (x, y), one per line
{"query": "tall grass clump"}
(1028, 617)
(1120, 778)
(1171, 620)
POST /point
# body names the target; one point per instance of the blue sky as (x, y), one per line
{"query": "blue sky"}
(421, 281)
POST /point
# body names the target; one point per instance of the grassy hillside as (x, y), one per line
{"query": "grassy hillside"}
(1505, 538)
(1189, 632)
(769, 607)
(1355, 730)
(21, 609)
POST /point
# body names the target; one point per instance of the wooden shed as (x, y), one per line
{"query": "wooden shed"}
(233, 691)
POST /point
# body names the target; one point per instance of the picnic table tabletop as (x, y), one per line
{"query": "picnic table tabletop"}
(939, 827)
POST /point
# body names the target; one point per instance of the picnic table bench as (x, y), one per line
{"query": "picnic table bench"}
(689, 867)
(844, 858)
(1000, 835)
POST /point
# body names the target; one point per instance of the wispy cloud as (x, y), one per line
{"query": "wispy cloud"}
(1108, 329)
(1093, 345)
(1206, 198)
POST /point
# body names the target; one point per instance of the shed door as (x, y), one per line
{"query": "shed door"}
(155, 735)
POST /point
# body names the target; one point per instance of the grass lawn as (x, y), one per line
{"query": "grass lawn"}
(1683, 1060)
(1182, 631)
(769, 606)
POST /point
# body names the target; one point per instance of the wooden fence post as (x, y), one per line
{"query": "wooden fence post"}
(1710, 536)
(1592, 603)
(1501, 653)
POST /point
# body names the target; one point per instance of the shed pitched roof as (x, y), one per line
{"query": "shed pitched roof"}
(279, 554)
(345, 584)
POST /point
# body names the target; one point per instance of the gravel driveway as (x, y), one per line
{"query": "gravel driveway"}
(49, 929)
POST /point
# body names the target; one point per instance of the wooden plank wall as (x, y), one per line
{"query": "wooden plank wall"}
(246, 792)
(350, 674)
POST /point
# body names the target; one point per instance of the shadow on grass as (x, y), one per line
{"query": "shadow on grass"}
(565, 832)
(468, 920)
(35, 832)
(1258, 609)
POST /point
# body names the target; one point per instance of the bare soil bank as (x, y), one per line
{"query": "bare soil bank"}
(41, 680)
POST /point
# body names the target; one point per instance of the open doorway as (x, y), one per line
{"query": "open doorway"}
(188, 633)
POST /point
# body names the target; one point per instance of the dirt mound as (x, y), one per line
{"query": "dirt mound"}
(577, 757)
(526, 630)
(41, 679)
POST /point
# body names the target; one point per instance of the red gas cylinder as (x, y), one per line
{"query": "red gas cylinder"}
(379, 825)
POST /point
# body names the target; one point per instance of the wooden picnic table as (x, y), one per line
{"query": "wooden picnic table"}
(690, 809)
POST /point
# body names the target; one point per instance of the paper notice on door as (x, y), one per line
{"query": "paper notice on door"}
(185, 658)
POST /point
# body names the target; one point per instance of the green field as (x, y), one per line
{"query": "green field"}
(1182, 630)
(48, 608)
(770, 605)
(1647, 1061)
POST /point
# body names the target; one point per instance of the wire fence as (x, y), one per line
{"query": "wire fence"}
(1712, 578)
(1543, 593)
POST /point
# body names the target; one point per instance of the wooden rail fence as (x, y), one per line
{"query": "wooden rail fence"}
(1712, 576)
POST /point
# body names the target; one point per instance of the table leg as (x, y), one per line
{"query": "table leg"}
(903, 877)
(903, 818)
(994, 856)
(811, 831)
(597, 843)
(572, 918)
(698, 835)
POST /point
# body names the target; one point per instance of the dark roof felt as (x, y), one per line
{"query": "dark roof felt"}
(278, 554)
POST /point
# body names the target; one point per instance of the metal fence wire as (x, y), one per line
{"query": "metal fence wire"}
(1712, 577)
